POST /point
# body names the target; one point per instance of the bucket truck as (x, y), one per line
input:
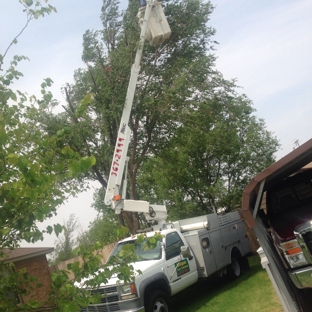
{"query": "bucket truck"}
(190, 249)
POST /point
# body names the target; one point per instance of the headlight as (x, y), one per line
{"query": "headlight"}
(293, 253)
(128, 291)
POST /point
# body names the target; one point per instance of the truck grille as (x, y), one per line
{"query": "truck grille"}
(101, 308)
(109, 295)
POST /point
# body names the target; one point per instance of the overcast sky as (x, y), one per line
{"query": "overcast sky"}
(266, 45)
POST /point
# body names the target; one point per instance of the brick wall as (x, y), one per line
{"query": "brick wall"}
(37, 266)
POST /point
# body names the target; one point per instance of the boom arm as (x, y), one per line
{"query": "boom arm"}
(155, 28)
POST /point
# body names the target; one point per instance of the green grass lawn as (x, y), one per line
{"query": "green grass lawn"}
(252, 292)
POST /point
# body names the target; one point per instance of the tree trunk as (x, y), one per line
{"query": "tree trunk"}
(132, 220)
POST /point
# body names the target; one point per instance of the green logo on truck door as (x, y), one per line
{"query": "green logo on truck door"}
(182, 267)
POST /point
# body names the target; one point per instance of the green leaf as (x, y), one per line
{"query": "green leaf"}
(6, 230)
(86, 163)
(48, 97)
(35, 304)
(13, 159)
(93, 160)
(58, 279)
(74, 167)
(87, 99)
(57, 229)
(48, 81)
(28, 2)
(35, 167)
(3, 136)
(9, 77)
(70, 307)
(13, 97)
(60, 133)
(66, 150)
(22, 162)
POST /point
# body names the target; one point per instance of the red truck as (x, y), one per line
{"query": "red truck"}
(277, 205)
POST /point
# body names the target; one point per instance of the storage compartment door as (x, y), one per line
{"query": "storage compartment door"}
(218, 249)
(208, 254)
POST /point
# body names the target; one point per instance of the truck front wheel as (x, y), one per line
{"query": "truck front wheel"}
(158, 302)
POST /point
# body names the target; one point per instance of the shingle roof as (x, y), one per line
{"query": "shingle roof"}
(22, 253)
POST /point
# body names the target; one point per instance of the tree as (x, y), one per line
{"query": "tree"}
(161, 92)
(64, 248)
(28, 190)
(35, 167)
(178, 87)
(104, 228)
(219, 148)
(35, 170)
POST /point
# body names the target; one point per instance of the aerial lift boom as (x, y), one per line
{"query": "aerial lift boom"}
(154, 28)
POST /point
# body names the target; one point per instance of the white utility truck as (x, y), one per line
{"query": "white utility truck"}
(190, 249)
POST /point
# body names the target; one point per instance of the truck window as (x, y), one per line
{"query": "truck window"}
(141, 251)
(173, 245)
(291, 196)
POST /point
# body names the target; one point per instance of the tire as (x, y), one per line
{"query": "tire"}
(234, 269)
(302, 298)
(158, 301)
(244, 263)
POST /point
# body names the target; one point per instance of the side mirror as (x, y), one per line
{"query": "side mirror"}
(186, 253)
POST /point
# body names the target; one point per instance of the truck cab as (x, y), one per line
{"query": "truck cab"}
(290, 221)
(277, 205)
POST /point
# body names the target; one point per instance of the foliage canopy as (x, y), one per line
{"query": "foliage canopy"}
(195, 140)
(36, 170)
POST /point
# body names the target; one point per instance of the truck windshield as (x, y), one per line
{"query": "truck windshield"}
(141, 251)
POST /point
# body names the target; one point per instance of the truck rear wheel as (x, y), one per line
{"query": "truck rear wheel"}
(302, 298)
(244, 263)
(158, 302)
(234, 269)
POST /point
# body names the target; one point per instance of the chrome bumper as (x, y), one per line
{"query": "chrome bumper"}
(99, 307)
(302, 278)
(134, 310)
(120, 306)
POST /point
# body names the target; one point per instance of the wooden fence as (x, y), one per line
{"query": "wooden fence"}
(105, 252)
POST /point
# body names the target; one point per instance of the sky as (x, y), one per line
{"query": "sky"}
(265, 45)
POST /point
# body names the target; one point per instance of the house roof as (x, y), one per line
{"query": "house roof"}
(23, 253)
(297, 160)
